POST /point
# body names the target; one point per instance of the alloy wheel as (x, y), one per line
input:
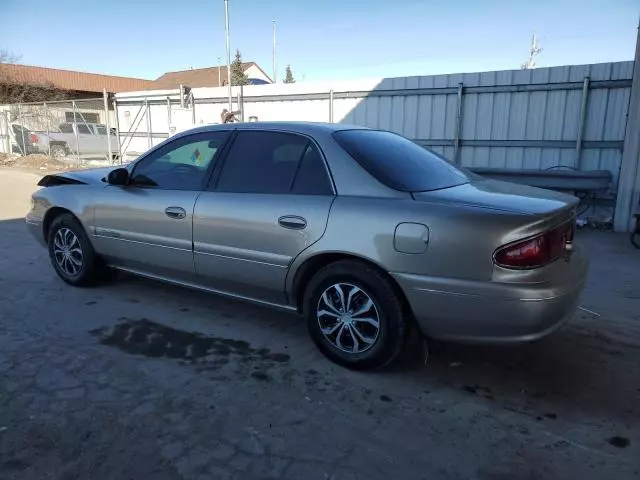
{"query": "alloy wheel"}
(67, 251)
(348, 318)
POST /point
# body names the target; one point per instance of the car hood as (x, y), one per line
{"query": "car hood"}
(503, 196)
(88, 176)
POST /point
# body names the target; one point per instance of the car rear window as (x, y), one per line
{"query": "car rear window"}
(398, 162)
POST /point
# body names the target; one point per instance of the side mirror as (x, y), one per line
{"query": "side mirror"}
(119, 176)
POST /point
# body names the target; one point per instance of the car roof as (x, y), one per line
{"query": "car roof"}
(308, 128)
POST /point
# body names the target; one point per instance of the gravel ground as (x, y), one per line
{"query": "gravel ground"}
(216, 389)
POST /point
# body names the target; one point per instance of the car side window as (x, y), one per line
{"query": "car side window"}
(312, 177)
(66, 128)
(183, 164)
(82, 128)
(273, 162)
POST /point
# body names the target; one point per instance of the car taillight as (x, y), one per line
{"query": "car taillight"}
(33, 138)
(537, 251)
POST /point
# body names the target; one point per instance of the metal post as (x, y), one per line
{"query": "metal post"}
(75, 131)
(24, 146)
(583, 114)
(7, 118)
(275, 69)
(456, 141)
(46, 117)
(169, 115)
(148, 114)
(331, 106)
(226, 27)
(4, 127)
(115, 109)
(238, 100)
(628, 198)
(241, 103)
(193, 109)
(105, 98)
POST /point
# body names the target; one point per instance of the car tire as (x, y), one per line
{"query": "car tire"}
(334, 331)
(58, 151)
(72, 254)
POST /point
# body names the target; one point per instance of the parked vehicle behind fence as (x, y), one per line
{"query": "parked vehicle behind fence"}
(22, 141)
(88, 140)
(362, 231)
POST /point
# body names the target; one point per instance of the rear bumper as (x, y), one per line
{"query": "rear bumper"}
(491, 312)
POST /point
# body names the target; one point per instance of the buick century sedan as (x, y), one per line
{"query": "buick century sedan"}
(363, 232)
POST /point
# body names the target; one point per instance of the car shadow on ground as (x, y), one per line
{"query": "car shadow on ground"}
(575, 371)
(579, 370)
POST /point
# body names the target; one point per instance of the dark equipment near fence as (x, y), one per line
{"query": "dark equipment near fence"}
(635, 235)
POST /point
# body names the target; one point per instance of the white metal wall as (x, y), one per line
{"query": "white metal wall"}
(534, 125)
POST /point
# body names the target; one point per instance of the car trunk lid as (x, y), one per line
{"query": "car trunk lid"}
(502, 196)
(535, 226)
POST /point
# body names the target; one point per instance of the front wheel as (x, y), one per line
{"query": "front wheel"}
(354, 315)
(71, 253)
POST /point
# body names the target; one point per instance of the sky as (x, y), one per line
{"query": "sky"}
(320, 39)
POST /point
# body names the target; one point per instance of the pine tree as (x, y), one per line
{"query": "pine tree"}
(288, 75)
(238, 77)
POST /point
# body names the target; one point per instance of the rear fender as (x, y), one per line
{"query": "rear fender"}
(460, 243)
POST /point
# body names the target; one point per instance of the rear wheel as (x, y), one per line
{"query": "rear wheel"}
(71, 253)
(58, 151)
(354, 315)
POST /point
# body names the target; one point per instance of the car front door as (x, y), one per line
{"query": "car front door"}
(266, 203)
(146, 226)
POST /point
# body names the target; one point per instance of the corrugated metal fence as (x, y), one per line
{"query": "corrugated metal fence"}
(570, 116)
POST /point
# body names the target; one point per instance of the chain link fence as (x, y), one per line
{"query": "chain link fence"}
(70, 133)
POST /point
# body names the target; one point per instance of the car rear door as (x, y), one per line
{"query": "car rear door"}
(147, 226)
(269, 200)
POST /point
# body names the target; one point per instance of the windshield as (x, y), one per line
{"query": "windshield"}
(399, 163)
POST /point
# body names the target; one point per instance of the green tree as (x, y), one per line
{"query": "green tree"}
(288, 75)
(238, 77)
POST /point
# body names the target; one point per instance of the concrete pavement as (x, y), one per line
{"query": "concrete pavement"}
(76, 401)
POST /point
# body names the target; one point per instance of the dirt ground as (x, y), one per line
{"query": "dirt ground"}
(39, 162)
(78, 402)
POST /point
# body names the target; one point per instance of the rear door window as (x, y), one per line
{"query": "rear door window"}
(274, 162)
(399, 163)
(312, 177)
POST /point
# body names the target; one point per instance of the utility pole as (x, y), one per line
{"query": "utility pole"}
(533, 53)
(226, 25)
(275, 69)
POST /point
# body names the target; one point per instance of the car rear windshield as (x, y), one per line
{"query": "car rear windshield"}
(398, 162)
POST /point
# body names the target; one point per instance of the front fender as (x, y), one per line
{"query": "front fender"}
(77, 199)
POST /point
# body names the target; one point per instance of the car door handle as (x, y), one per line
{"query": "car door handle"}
(175, 212)
(293, 222)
